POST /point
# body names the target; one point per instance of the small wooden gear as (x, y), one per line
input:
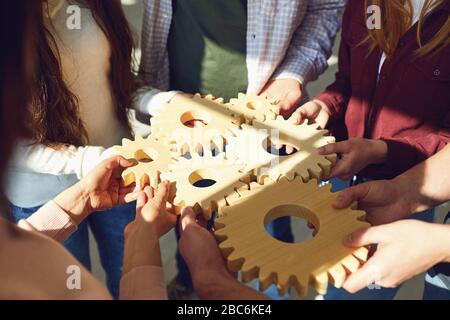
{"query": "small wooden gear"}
(251, 147)
(213, 121)
(252, 107)
(225, 176)
(152, 157)
(248, 247)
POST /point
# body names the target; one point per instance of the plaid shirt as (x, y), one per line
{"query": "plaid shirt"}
(285, 39)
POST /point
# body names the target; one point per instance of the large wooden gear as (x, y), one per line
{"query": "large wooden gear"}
(171, 126)
(250, 146)
(152, 157)
(184, 175)
(323, 259)
(282, 186)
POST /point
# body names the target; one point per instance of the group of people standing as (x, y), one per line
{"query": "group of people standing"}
(389, 107)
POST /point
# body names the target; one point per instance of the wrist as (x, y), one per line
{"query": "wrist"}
(75, 202)
(379, 150)
(208, 282)
(141, 249)
(445, 247)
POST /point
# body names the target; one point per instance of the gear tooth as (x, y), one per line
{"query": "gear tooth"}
(129, 177)
(249, 272)
(301, 285)
(321, 282)
(234, 261)
(266, 279)
(314, 173)
(337, 275)
(350, 263)
(126, 142)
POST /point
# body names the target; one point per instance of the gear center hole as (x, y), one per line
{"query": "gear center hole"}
(202, 178)
(144, 156)
(278, 147)
(195, 119)
(303, 224)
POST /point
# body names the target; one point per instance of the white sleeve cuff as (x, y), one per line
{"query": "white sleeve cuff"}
(91, 157)
(152, 101)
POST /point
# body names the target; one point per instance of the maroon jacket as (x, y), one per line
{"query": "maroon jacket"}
(409, 107)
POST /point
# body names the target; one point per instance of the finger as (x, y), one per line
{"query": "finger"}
(367, 275)
(340, 169)
(149, 191)
(309, 110)
(162, 194)
(140, 202)
(188, 218)
(338, 147)
(124, 193)
(364, 237)
(350, 195)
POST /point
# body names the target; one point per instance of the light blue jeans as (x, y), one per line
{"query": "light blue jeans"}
(107, 227)
(376, 293)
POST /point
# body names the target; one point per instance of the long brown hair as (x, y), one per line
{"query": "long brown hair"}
(54, 111)
(397, 19)
(17, 26)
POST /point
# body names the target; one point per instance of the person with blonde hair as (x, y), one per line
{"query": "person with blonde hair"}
(390, 102)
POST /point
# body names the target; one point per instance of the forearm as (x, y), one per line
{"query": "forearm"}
(141, 249)
(221, 285)
(75, 202)
(59, 160)
(312, 43)
(428, 184)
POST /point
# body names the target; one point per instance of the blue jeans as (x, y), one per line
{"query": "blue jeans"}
(107, 227)
(374, 293)
(279, 229)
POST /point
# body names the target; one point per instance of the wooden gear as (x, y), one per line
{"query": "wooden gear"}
(249, 146)
(170, 126)
(247, 246)
(252, 107)
(152, 157)
(228, 177)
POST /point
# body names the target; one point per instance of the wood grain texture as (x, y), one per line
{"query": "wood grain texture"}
(318, 261)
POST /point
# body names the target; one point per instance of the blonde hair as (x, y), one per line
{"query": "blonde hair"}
(397, 17)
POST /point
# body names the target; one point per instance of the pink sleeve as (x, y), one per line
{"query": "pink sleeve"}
(143, 283)
(51, 221)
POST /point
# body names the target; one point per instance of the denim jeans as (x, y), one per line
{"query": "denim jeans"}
(279, 229)
(374, 293)
(107, 228)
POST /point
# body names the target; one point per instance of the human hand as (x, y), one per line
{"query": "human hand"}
(152, 221)
(383, 201)
(405, 249)
(315, 111)
(101, 189)
(200, 251)
(356, 154)
(286, 92)
(152, 211)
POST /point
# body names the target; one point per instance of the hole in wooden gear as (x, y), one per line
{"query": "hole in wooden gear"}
(303, 223)
(145, 155)
(195, 119)
(278, 147)
(203, 178)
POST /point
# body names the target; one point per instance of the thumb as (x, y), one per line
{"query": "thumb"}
(350, 195)
(363, 237)
(188, 218)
